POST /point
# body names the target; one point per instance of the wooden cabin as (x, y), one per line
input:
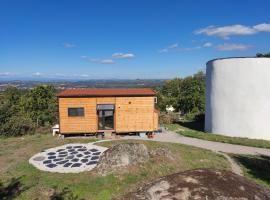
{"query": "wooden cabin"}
(97, 110)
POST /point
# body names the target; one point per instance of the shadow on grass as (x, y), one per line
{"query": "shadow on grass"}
(64, 195)
(12, 189)
(257, 166)
(194, 125)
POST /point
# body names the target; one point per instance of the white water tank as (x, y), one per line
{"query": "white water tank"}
(238, 97)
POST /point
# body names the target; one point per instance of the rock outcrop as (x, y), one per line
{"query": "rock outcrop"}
(201, 184)
(121, 155)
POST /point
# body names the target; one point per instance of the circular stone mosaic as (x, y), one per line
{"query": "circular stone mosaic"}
(70, 158)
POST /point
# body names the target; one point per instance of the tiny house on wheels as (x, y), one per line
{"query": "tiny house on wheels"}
(101, 110)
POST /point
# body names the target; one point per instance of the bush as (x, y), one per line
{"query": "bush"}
(198, 117)
(168, 118)
(17, 126)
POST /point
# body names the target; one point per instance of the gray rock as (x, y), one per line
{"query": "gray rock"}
(120, 156)
(39, 158)
(200, 184)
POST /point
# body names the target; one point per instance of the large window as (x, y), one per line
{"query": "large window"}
(75, 112)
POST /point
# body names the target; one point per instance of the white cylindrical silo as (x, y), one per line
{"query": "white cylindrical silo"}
(238, 97)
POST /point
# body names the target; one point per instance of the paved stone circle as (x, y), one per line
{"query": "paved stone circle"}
(69, 158)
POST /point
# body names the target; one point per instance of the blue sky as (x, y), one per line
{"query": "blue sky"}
(83, 39)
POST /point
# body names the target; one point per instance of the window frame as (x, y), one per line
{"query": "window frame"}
(77, 112)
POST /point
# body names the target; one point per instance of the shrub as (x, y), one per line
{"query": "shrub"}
(17, 126)
(168, 118)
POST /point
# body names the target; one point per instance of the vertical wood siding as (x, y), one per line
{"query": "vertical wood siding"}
(131, 114)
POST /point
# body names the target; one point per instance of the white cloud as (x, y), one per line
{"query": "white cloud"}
(37, 74)
(123, 55)
(69, 45)
(233, 47)
(5, 74)
(94, 60)
(107, 61)
(172, 46)
(207, 44)
(163, 50)
(169, 48)
(262, 27)
(84, 75)
(226, 31)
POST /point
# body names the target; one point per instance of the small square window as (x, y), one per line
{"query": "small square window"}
(155, 99)
(74, 112)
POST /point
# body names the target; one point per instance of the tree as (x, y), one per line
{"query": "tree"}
(12, 120)
(40, 104)
(21, 112)
(266, 55)
(185, 94)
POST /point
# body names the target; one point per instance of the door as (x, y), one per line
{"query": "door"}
(105, 119)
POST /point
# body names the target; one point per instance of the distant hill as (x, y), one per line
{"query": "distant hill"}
(95, 83)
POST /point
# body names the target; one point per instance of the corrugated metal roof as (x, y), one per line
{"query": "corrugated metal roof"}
(103, 92)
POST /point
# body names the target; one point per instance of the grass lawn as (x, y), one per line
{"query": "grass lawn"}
(23, 181)
(217, 138)
(256, 168)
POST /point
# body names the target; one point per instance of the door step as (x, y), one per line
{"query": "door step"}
(108, 134)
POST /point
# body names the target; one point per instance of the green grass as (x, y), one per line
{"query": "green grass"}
(255, 167)
(218, 138)
(36, 184)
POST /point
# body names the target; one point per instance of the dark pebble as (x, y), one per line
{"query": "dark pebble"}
(62, 155)
(76, 165)
(47, 161)
(87, 156)
(84, 160)
(96, 153)
(87, 152)
(70, 150)
(57, 159)
(82, 149)
(51, 165)
(93, 150)
(70, 157)
(51, 153)
(59, 150)
(51, 157)
(67, 164)
(91, 163)
(74, 152)
(62, 162)
(78, 147)
(75, 160)
(63, 152)
(95, 158)
(79, 155)
(69, 147)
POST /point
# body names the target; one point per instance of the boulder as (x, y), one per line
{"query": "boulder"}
(200, 184)
(121, 155)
